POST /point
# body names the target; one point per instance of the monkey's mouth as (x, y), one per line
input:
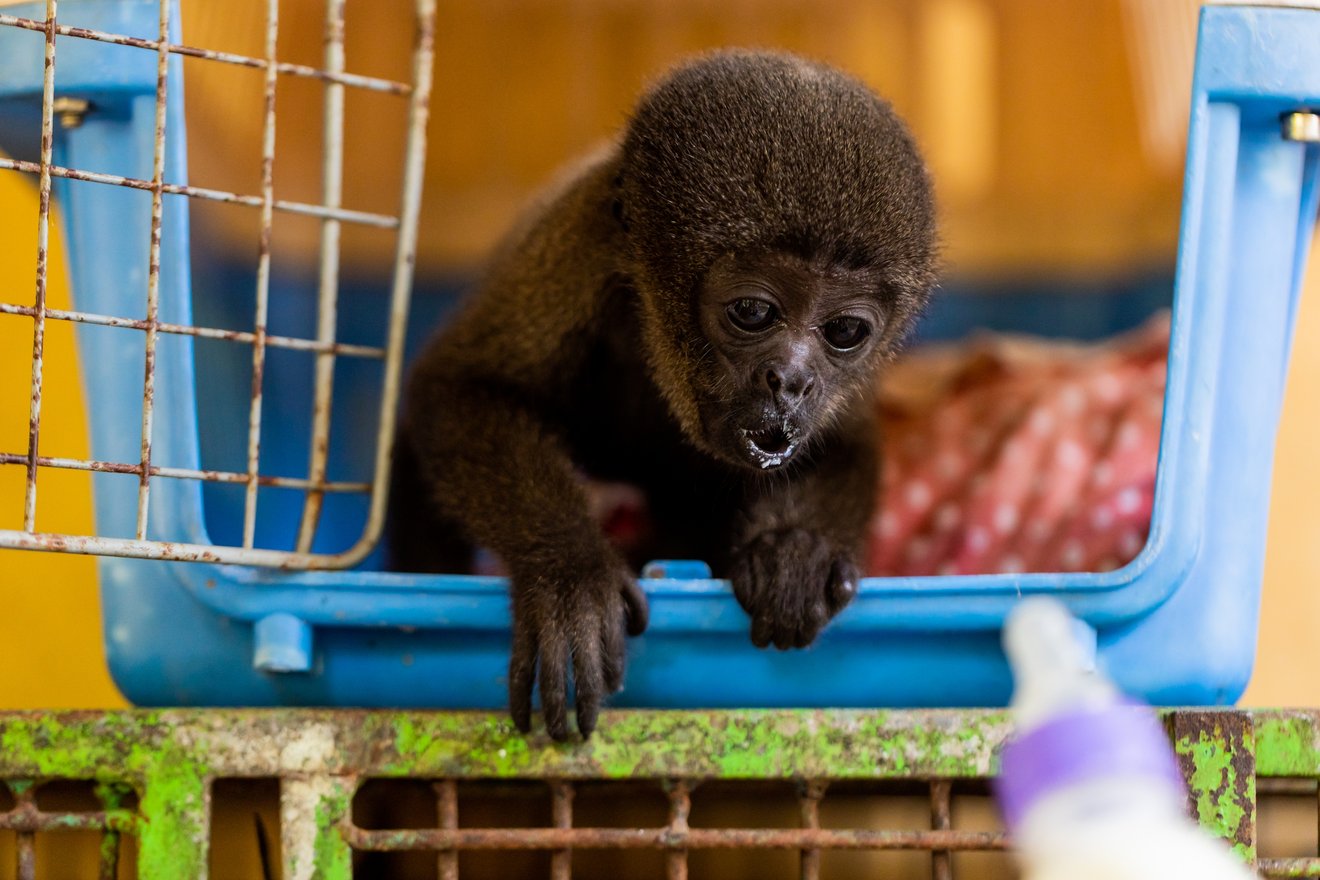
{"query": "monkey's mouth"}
(770, 446)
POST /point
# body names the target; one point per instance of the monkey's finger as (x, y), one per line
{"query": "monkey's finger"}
(554, 683)
(842, 585)
(614, 655)
(522, 673)
(635, 607)
(588, 681)
(810, 625)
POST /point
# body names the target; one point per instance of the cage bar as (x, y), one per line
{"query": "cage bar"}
(680, 807)
(434, 839)
(447, 811)
(324, 344)
(153, 274)
(364, 218)
(332, 175)
(941, 862)
(111, 797)
(43, 242)
(25, 809)
(405, 260)
(561, 814)
(339, 348)
(110, 467)
(368, 83)
(809, 797)
(263, 277)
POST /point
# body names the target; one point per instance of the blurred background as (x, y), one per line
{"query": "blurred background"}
(1054, 132)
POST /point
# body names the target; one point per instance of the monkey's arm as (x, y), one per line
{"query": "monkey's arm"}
(494, 465)
(795, 561)
(481, 416)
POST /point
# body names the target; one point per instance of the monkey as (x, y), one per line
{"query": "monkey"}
(700, 309)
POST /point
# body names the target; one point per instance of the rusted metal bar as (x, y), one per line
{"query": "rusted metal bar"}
(153, 273)
(430, 839)
(941, 861)
(86, 545)
(809, 794)
(1295, 867)
(263, 278)
(239, 336)
(1216, 753)
(312, 805)
(369, 83)
(363, 218)
(405, 259)
(25, 803)
(680, 807)
(1293, 787)
(446, 792)
(332, 172)
(108, 864)
(561, 814)
(27, 857)
(111, 467)
(112, 799)
(871, 745)
(43, 243)
(27, 819)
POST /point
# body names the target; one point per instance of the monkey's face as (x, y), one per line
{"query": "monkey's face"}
(789, 346)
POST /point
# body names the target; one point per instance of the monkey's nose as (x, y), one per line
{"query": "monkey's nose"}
(789, 385)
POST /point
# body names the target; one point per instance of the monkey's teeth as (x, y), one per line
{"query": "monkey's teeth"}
(769, 447)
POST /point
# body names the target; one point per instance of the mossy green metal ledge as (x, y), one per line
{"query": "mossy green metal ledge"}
(169, 759)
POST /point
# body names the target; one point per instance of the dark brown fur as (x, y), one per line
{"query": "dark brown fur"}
(602, 340)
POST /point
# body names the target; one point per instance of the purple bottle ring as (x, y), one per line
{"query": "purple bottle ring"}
(1119, 741)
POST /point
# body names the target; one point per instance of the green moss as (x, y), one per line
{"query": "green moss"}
(333, 858)
(1286, 744)
(1222, 787)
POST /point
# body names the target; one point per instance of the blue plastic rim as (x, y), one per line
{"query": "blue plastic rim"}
(1177, 625)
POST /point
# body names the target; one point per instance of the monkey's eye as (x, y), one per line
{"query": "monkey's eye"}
(751, 314)
(845, 333)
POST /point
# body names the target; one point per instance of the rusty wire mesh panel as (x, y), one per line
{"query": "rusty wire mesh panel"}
(112, 816)
(789, 833)
(325, 345)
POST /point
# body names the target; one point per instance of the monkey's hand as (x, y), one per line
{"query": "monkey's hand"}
(791, 582)
(577, 618)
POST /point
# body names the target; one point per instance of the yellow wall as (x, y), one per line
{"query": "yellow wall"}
(49, 608)
(1288, 656)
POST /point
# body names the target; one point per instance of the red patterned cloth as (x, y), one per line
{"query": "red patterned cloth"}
(1010, 454)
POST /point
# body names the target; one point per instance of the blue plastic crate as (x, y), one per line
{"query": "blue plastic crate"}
(1177, 625)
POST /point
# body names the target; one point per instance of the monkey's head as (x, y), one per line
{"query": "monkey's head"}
(782, 234)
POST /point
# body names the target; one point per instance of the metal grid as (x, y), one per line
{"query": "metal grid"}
(324, 760)
(677, 839)
(332, 215)
(114, 820)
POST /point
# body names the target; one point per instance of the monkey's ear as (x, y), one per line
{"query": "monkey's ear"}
(616, 207)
